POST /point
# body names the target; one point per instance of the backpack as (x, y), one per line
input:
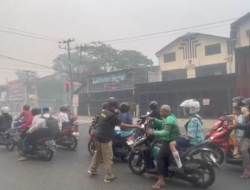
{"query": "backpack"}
(52, 125)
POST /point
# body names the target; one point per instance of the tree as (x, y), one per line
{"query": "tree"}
(98, 57)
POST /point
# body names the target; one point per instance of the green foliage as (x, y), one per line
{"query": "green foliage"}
(98, 57)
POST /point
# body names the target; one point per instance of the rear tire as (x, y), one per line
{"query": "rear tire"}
(73, 144)
(137, 162)
(199, 175)
(49, 155)
(218, 153)
(10, 145)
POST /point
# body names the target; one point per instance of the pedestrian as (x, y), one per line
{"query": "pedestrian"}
(245, 143)
(108, 119)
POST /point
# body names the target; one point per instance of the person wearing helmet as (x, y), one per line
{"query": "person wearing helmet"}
(5, 119)
(167, 131)
(245, 142)
(194, 125)
(108, 119)
(125, 116)
(154, 110)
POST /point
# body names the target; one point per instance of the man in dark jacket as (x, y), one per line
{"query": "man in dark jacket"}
(108, 119)
(5, 119)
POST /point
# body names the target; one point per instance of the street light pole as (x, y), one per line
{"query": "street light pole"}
(67, 47)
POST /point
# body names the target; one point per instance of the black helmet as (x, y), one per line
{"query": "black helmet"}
(246, 102)
(104, 105)
(237, 101)
(124, 107)
(112, 103)
(36, 111)
(153, 105)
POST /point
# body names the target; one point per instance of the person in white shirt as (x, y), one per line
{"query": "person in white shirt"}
(38, 130)
(63, 118)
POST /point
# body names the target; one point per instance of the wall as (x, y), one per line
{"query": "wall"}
(200, 59)
(242, 38)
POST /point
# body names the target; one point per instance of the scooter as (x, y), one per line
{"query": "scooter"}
(196, 171)
(44, 149)
(6, 140)
(219, 136)
(122, 142)
(67, 138)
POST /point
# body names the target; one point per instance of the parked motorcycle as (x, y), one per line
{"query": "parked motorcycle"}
(44, 149)
(196, 171)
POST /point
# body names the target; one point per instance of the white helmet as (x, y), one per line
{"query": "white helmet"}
(191, 106)
(5, 109)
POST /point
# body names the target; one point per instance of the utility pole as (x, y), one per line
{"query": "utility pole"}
(65, 44)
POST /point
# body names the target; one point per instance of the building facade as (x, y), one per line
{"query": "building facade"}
(196, 55)
(118, 84)
(240, 31)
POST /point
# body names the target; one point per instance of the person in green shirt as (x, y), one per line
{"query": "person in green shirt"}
(167, 131)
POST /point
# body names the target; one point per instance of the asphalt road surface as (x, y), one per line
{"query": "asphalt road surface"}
(68, 171)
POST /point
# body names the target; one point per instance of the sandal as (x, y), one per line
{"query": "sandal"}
(158, 186)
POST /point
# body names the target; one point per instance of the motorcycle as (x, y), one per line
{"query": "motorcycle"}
(219, 136)
(44, 149)
(6, 140)
(196, 171)
(66, 138)
(122, 142)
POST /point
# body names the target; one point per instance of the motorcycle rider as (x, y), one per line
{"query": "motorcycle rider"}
(154, 110)
(5, 119)
(37, 131)
(245, 143)
(125, 116)
(194, 126)
(26, 117)
(167, 131)
(63, 118)
(108, 119)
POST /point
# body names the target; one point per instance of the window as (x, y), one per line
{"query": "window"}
(174, 75)
(212, 49)
(211, 70)
(169, 57)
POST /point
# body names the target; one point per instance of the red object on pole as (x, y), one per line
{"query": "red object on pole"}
(67, 86)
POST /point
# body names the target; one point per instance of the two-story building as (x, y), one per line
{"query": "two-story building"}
(240, 34)
(196, 55)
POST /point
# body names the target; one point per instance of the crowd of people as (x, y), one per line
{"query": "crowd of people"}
(166, 129)
(36, 123)
(33, 124)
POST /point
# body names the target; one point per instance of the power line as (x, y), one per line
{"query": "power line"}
(29, 36)
(169, 31)
(27, 32)
(24, 61)
(165, 35)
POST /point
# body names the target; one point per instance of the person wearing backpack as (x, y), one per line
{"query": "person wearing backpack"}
(51, 122)
(194, 126)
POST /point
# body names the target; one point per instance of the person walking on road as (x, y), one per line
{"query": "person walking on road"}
(245, 143)
(107, 121)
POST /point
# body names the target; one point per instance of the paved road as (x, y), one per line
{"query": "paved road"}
(67, 171)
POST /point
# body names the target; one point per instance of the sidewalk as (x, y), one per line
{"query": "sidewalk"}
(207, 122)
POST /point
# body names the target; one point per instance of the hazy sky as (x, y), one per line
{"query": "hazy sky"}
(93, 20)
